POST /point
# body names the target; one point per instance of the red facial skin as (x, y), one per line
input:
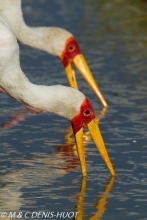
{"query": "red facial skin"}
(71, 50)
(85, 116)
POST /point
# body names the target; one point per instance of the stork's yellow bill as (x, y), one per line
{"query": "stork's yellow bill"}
(71, 56)
(87, 118)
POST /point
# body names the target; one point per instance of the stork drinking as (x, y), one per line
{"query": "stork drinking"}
(61, 100)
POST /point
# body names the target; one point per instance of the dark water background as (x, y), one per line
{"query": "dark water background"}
(39, 167)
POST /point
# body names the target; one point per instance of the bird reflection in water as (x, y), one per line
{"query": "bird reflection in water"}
(101, 203)
(66, 161)
(15, 118)
(68, 149)
(12, 194)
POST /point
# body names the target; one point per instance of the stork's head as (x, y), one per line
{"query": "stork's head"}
(86, 117)
(63, 44)
(73, 105)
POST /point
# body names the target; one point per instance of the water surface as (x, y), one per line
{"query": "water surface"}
(39, 166)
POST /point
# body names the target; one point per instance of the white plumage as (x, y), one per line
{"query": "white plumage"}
(55, 41)
(49, 39)
(64, 101)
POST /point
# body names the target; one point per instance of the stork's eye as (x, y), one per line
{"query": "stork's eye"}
(71, 48)
(87, 112)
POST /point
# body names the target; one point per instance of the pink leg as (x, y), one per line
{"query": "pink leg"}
(28, 107)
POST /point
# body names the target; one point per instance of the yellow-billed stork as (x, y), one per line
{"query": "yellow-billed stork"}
(61, 100)
(53, 40)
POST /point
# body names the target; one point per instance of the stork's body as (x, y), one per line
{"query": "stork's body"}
(53, 40)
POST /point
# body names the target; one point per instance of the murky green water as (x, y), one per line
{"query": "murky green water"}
(40, 170)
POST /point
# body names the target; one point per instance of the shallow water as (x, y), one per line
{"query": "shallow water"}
(40, 170)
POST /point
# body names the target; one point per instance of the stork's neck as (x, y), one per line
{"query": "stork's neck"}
(49, 39)
(12, 14)
(11, 11)
(58, 99)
